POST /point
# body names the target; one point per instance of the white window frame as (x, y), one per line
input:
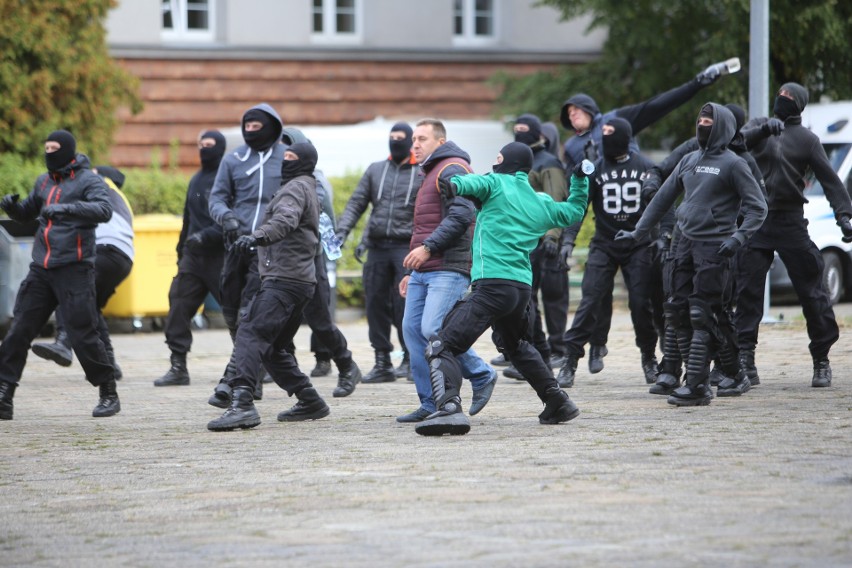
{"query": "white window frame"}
(468, 36)
(180, 32)
(329, 33)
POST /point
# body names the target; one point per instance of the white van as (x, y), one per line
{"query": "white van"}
(832, 122)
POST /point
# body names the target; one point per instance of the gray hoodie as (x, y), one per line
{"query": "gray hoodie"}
(247, 180)
(716, 185)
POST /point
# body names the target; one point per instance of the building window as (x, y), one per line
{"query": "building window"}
(336, 20)
(474, 21)
(188, 19)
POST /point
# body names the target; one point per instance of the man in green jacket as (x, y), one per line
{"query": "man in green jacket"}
(512, 218)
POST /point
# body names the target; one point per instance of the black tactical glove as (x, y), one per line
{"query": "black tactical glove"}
(360, 251)
(565, 252)
(846, 227)
(56, 210)
(730, 247)
(623, 235)
(194, 241)
(447, 186)
(230, 228)
(9, 202)
(245, 244)
(578, 169)
(772, 127)
(550, 246)
(708, 76)
(662, 246)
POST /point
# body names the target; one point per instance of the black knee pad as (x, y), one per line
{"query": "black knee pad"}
(700, 316)
(676, 315)
(434, 347)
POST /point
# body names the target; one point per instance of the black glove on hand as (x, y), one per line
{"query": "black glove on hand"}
(194, 241)
(230, 228)
(565, 253)
(708, 76)
(730, 247)
(54, 211)
(846, 227)
(550, 247)
(9, 202)
(773, 127)
(578, 169)
(447, 186)
(360, 251)
(245, 244)
(623, 235)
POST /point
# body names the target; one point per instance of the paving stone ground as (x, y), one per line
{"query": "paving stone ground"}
(762, 480)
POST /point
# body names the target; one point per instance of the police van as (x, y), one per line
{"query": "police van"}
(832, 122)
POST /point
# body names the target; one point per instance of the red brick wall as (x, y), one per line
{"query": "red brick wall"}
(184, 97)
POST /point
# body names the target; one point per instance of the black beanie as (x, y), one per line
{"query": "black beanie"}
(617, 144)
(55, 161)
(114, 175)
(517, 157)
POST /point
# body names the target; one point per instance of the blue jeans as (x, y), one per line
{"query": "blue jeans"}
(430, 297)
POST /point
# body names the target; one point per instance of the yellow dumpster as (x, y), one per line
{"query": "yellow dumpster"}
(145, 293)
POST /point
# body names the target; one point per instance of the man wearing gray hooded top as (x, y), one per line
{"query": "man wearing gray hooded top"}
(785, 151)
(717, 185)
(247, 179)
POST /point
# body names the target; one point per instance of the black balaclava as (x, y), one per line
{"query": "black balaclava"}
(400, 150)
(784, 108)
(55, 161)
(617, 144)
(114, 174)
(304, 166)
(263, 139)
(533, 135)
(702, 133)
(739, 114)
(210, 157)
(517, 157)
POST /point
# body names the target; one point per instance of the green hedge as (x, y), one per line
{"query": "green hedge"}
(157, 190)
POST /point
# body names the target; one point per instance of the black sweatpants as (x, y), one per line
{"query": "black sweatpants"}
(199, 274)
(604, 260)
(239, 282)
(72, 289)
(787, 233)
(272, 321)
(384, 306)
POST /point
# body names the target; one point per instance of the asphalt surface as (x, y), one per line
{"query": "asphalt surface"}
(761, 480)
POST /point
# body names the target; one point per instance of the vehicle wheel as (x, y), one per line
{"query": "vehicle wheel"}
(832, 276)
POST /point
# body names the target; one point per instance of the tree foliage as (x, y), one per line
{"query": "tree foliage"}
(654, 45)
(56, 73)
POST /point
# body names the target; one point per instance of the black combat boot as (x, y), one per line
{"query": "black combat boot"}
(650, 367)
(747, 365)
(311, 406)
(698, 395)
(7, 392)
(346, 381)
(448, 419)
(241, 412)
(558, 408)
(404, 369)
(177, 375)
(108, 404)
(59, 351)
(322, 368)
(596, 357)
(383, 371)
(734, 386)
(221, 397)
(822, 373)
(565, 378)
(512, 372)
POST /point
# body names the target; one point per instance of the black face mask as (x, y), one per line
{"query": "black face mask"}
(785, 108)
(400, 150)
(529, 137)
(55, 161)
(517, 157)
(702, 133)
(210, 157)
(304, 166)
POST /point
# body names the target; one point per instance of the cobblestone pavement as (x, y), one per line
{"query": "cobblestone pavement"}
(762, 480)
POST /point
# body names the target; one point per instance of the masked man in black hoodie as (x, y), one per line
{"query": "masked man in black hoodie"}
(785, 151)
(69, 201)
(200, 257)
(717, 186)
(285, 244)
